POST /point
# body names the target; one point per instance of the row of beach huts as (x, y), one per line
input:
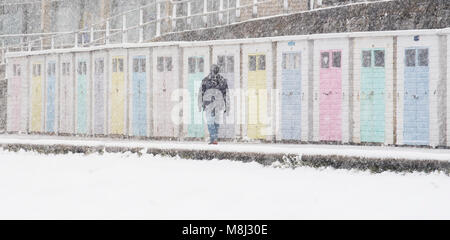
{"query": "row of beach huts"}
(387, 88)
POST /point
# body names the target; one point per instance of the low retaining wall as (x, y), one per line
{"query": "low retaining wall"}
(375, 165)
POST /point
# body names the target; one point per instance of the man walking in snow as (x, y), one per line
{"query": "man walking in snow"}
(213, 98)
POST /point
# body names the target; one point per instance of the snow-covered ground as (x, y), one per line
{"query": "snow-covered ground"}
(126, 186)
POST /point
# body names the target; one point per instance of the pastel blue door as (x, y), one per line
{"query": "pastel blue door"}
(291, 86)
(82, 98)
(416, 97)
(139, 97)
(51, 95)
(195, 77)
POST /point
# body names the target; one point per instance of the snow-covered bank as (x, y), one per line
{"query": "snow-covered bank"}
(125, 186)
(376, 159)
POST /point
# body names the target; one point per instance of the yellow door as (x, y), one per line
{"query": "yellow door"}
(117, 96)
(36, 98)
(257, 97)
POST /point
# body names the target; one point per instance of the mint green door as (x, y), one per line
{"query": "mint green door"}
(196, 73)
(373, 77)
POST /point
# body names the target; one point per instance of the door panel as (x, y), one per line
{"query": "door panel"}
(257, 99)
(195, 77)
(36, 98)
(139, 97)
(330, 96)
(15, 97)
(51, 95)
(99, 96)
(226, 64)
(372, 95)
(416, 97)
(291, 96)
(117, 96)
(82, 98)
(66, 98)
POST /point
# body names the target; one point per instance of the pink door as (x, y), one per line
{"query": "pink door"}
(330, 95)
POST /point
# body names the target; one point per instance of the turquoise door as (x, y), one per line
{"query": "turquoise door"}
(82, 98)
(51, 95)
(373, 77)
(291, 96)
(416, 98)
(195, 76)
(139, 97)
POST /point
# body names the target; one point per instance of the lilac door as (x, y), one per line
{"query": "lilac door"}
(15, 99)
(330, 96)
(226, 64)
(164, 87)
(99, 97)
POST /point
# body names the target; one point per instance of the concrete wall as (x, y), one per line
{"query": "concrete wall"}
(378, 16)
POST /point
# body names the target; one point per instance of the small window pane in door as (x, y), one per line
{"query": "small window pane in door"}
(191, 63)
(120, 65)
(114, 65)
(252, 63)
(169, 65)
(160, 64)
(379, 58)
(284, 61)
(221, 63)
(68, 68)
(297, 60)
(325, 59)
(201, 65)
(230, 64)
(54, 69)
(49, 69)
(14, 70)
(101, 64)
(142, 65)
(367, 58)
(135, 65)
(423, 57)
(63, 69)
(39, 69)
(337, 59)
(262, 62)
(84, 68)
(410, 55)
(80, 68)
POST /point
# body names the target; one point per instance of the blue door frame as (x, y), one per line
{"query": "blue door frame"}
(416, 97)
(139, 96)
(291, 86)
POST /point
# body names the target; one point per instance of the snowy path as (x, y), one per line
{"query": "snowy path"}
(126, 186)
(308, 149)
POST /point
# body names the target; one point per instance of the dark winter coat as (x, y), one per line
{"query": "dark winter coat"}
(214, 89)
